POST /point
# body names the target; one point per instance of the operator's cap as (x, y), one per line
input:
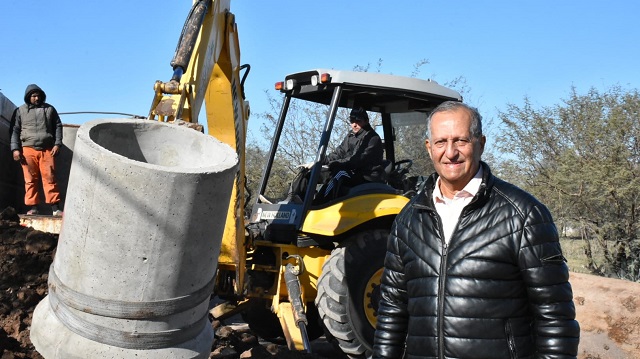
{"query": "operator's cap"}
(359, 113)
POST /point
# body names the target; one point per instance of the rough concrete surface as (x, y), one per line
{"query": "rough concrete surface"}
(608, 309)
(147, 241)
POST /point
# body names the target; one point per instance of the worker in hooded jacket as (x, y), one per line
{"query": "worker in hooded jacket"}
(36, 138)
(473, 268)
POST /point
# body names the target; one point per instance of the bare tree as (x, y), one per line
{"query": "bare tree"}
(582, 158)
(300, 138)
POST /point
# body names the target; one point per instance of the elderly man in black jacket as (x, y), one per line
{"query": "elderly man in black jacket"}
(473, 267)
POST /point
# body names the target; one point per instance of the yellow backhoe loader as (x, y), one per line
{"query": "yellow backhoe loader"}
(296, 269)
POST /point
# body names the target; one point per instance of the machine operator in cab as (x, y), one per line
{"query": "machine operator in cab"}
(358, 159)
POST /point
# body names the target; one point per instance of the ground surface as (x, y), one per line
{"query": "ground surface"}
(608, 309)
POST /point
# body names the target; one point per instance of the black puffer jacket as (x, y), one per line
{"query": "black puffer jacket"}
(502, 276)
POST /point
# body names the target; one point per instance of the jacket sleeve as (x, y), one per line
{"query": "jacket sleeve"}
(369, 152)
(15, 128)
(57, 125)
(392, 321)
(339, 152)
(547, 279)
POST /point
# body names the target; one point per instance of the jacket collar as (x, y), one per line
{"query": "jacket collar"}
(362, 132)
(424, 198)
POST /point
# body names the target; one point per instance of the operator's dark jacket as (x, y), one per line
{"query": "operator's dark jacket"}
(502, 281)
(361, 152)
(35, 126)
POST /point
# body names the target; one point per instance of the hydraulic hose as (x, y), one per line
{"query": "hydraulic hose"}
(188, 38)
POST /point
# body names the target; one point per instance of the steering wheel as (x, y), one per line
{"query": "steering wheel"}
(402, 167)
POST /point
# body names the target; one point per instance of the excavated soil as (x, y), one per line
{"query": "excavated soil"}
(25, 257)
(608, 309)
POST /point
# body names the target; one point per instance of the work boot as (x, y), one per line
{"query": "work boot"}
(56, 210)
(33, 211)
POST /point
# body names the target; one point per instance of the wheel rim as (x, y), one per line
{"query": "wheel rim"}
(372, 297)
(348, 288)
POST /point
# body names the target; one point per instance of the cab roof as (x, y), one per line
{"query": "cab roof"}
(373, 91)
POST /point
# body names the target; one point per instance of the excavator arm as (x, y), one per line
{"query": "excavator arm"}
(206, 68)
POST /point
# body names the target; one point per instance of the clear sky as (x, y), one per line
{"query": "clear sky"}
(106, 55)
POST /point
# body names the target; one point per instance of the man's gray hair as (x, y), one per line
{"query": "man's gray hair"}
(476, 118)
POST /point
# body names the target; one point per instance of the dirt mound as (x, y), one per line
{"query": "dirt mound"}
(25, 257)
(608, 309)
(609, 314)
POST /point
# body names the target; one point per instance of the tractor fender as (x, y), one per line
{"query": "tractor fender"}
(342, 216)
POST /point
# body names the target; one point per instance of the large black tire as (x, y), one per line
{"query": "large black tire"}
(348, 292)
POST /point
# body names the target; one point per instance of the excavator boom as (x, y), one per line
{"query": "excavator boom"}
(206, 68)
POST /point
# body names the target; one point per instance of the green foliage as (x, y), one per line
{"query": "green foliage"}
(582, 159)
(255, 158)
(411, 145)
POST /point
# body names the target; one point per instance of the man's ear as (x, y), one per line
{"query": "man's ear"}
(427, 144)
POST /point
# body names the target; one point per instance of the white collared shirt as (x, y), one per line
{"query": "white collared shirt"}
(450, 209)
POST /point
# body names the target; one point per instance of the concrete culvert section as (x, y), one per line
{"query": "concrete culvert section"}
(138, 249)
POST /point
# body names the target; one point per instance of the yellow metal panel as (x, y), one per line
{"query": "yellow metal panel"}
(227, 116)
(313, 259)
(291, 331)
(225, 109)
(343, 216)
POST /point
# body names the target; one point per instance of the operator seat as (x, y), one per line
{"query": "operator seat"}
(383, 174)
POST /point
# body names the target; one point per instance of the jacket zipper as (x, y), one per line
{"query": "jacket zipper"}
(442, 278)
(441, 285)
(510, 341)
(443, 274)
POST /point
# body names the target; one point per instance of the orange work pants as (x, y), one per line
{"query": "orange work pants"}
(39, 164)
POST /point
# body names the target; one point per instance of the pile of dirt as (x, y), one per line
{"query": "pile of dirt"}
(608, 309)
(25, 257)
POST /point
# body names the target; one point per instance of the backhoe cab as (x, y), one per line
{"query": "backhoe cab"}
(315, 268)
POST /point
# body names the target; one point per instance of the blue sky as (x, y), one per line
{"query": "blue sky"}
(106, 56)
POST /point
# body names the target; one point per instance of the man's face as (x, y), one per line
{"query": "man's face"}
(356, 124)
(453, 150)
(35, 98)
